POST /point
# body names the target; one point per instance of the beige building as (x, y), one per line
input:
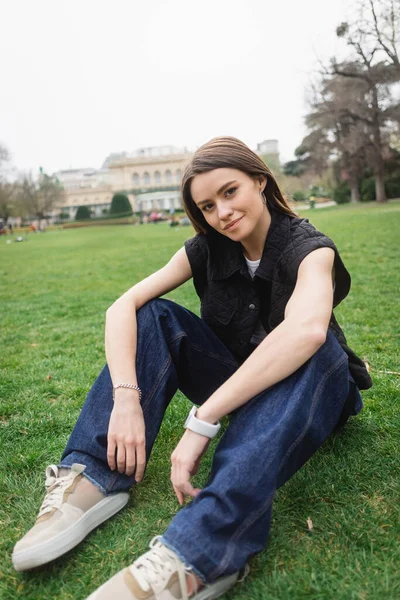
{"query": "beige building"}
(150, 177)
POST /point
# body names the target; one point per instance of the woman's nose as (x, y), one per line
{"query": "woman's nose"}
(224, 211)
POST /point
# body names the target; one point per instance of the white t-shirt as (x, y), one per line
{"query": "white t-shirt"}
(259, 331)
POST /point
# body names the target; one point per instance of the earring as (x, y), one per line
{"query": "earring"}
(263, 198)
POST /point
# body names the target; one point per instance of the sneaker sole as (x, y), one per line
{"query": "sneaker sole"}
(217, 589)
(44, 553)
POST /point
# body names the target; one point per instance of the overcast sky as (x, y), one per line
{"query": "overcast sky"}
(82, 79)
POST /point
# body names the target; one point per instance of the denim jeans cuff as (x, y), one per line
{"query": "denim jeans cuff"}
(109, 482)
(189, 553)
(63, 465)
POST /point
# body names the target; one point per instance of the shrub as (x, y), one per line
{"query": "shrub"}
(83, 212)
(368, 189)
(120, 205)
(393, 187)
(63, 215)
(342, 193)
(299, 196)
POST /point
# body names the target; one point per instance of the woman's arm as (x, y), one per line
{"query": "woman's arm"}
(280, 354)
(126, 433)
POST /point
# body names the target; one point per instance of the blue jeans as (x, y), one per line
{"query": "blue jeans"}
(267, 440)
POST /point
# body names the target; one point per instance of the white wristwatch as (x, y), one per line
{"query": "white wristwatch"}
(202, 427)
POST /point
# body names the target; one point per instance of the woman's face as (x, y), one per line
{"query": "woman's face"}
(230, 201)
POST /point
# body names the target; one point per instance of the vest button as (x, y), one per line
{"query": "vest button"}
(252, 306)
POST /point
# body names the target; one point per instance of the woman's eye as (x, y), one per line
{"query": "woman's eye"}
(207, 207)
(230, 192)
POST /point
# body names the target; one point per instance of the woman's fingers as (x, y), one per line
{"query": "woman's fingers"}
(111, 447)
(130, 459)
(127, 457)
(185, 461)
(180, 478)
(140, 461)
(121, 457)
(126, 439)
(179, 494)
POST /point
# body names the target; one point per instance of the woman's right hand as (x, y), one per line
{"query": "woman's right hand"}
(126, 442)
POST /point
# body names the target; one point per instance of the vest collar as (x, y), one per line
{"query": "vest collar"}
(226, 256)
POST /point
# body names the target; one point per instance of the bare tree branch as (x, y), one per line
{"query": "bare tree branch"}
(392, 53)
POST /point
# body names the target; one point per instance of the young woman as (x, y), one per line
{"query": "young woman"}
(267, 351)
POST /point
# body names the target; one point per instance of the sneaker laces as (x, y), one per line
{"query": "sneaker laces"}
(156, 566)
(56, 486)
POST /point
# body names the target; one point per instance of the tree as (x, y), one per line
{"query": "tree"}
(331, 137)
(7, 196)
(377, 30)
(294, 168)
(374, 39)
(82, 213)
(7, 189)
(354, 111)
(38, 198)
(342, 137)
(120, 205)
(50, 193)
(313, 153)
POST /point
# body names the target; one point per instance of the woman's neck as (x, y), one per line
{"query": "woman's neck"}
(253, 246)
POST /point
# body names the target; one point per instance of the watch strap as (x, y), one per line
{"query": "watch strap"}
(209, 430)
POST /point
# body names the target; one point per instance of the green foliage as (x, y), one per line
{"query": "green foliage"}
(299, 196)
(368, 189)
(82, 213)
(319, 192)
(37, 198)
(393, 187)
(120, 205)
(53, 329)
(296, 168)
(342, 193)
(63, 215)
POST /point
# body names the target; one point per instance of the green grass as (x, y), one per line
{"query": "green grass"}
(54, 292)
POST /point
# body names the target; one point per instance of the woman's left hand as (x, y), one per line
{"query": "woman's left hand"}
(185, 461)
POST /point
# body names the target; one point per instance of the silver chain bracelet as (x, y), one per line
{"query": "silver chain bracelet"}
(129, 386)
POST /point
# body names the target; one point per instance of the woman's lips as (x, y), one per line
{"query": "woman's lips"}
(233, 224)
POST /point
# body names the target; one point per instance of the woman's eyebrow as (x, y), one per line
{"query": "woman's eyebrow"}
(221, 189)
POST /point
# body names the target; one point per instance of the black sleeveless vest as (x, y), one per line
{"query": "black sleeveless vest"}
(232, 302)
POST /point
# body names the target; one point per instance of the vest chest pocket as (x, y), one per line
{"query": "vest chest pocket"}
(217, 313)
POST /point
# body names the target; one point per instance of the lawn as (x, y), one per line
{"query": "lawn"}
(55, 289)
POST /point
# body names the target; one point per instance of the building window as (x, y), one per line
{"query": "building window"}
(168, 176)
(157, 177)
(178, 176)
(136, 179)
(146, 178)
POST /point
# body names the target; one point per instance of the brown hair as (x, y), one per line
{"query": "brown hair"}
(231, 153)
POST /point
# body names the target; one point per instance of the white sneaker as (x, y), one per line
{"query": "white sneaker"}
(61, 523)
(160, 575)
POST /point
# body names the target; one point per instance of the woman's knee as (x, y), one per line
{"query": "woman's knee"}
(154, 308)
(160, 314)
(332, 348)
